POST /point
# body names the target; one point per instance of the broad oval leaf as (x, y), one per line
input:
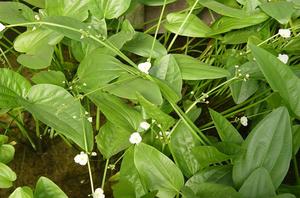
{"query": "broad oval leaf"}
(97, 70)
(258, 184)
(7, 176)
(226, 24)
(181, 144)
(193, 69)
(141, 45)
(7, 153)
(57, 108)
(108, 132)
(77, 9)
(13, 87)
(108, 9)
(280, 78)
(194, 27)
(158, 171)
(15, 12)
(167, 69)
(282, 11)
(45, 188)
(223, 9)
(22, 192)
(50, 77)
(129, 177)
(269, 145)
(128, 85)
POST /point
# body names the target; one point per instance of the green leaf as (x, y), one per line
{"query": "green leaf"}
(167, 69)
(49, 77)
(129, 176)
(3, 139)
(117, 111)
(158, 171)
(7, 153)
(38, 46)
(155, 113)
(128, 85)
(97, 70)
(108, 9)
(77, 9)
(269, 145)
(182, 142)
(226, 131)
(7, 176)
(282, 11)
(280, 78)
(194, 27)
(13, 87)
(155, 2)
(212, 190)
(108, 132)
(193, 69)
(242, 90)
(226, 24)
(207, 155)
(214, 174)
(45, 188)
(141, 45)
(285, 195)
(258, 184)
(223, 9)
(15, 12)
(37, 3)
(57, 108)
(22, 192)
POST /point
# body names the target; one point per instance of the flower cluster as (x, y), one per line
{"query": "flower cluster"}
(239, 75)
(99, 193)
(135, 137)
(81, 159)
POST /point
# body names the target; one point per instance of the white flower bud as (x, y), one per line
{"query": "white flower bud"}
(144, 67)
(283, 58)
(144, 125)
(135, 138)
(285, 33)
(244, 121)
(2, 27)
(81, 159)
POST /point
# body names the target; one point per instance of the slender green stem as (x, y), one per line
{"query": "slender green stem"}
(98, 119)
(104, 173)
(182, 25)
(157, 28)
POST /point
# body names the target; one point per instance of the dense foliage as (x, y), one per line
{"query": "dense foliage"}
(204, 109)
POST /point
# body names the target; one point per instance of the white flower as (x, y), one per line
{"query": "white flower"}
(135, 138)
(37, 17)
(244, 121)
(285, 33)
(283, 58)
(2, 27)
(144, 125)
(93, 154)
(90, 119)
(81, 158)
(144, 67)
(99, 193)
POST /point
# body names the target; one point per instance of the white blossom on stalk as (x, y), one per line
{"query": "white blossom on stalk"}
(244, 121)
(81, 159)
(144, 67)
(135, 138)
(144, 125)
(90, 119)
(285, 33)
(99, 193)
(2, 27)
(283, 58)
